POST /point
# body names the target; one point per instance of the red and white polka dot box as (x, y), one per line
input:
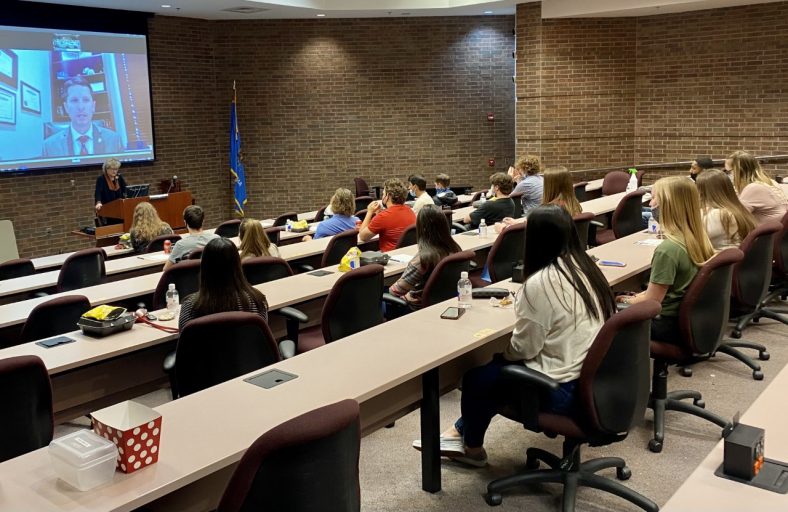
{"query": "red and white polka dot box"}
(135, 430)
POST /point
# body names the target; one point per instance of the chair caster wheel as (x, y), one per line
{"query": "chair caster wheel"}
(685, 372)
(757, 375)
(736, 334)
(623, 473)
(531, 464)
(493, 499)
(699, 403)
(764, 356)
(655, 446)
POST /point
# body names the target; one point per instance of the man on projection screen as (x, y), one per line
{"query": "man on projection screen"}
(82, 137)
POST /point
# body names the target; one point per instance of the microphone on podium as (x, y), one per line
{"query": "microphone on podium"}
(172, 183)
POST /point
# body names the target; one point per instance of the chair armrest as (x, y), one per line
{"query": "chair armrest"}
(459, 228)
(169, 363)
(596, 223)
(305, 268)
(524, 375)
(292, 314)
(287, 349)
(393, 299)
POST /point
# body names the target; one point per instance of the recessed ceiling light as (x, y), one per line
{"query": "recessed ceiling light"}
(321, 15)
(487, 12)
(166, 6)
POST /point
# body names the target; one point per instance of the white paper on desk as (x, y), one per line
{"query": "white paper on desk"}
(652, 242)
(401, 258)
(156, 257)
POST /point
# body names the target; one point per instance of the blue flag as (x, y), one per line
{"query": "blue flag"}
(236, 166)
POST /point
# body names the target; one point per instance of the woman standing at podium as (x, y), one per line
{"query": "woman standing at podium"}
(109, 186)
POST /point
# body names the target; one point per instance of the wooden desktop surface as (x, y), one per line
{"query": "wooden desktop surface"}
(703, 491)
(205, 434)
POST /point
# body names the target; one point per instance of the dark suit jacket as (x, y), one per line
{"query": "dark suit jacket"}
(61, 143)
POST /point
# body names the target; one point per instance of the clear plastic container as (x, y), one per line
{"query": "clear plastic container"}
(464, 291)
(84, 459)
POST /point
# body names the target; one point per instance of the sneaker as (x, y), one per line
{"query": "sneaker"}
(477, 462)
(449, 446)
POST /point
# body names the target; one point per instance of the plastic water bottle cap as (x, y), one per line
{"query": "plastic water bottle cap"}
(172, 286)
(463, 275)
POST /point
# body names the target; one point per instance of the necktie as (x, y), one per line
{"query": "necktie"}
(83, 150)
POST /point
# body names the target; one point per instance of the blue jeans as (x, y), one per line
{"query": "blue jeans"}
(646, 216)
(483, 392)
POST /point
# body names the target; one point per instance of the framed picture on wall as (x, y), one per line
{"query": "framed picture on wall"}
(9, 68)
(31, 98)
(7, 107)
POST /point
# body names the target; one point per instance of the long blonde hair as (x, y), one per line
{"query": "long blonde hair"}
(679, 217)
(746, 170)
(146, 224)
(716, 191)
(254, 240)
(559, 189)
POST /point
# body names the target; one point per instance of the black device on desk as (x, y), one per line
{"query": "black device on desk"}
(452, 313)
(743, 451)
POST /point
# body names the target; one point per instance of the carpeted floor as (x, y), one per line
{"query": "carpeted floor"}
(391, 471)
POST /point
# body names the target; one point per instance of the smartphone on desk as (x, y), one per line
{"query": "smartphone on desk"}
(452, 313)
(54, 342)
(610, 263)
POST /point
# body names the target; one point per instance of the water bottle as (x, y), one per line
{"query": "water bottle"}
(464, 287)
(173, 301)
(483, 198)
(483, 229)
(653, 226)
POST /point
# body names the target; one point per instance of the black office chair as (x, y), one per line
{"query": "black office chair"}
(780, 267)
(273, 233)
(615, 182)
(751, 278)
(26, 402)
(157, 244)
(610, 399)
(442, 283)
(362, 202)
(507, 250)
(195, 254)
(264, 269)
(627, 218)
(408, 237)
(12, 269)
(185, 275)
(229, 228)
(582, 225)
(321, 214)
(580, 191)
(337, 247)
(215, 348)
(282, 219)
(53, 317)
(352, 305)
(306, 464)
(702, 319)
(362, 189)
(517, 197)
(81, 269)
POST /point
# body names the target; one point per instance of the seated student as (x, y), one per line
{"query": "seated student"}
(559, 190)
(757, 192)
(145, 226)
(434, 244)
(699, 165)
(342, 205)
(223, 286)
(527, 173)
(443, 194)
(255, 241)
(194, 216)
(418, 186)
(559, 310)
(677, 259)
(494, 211)
(388, 217)
(727, 221)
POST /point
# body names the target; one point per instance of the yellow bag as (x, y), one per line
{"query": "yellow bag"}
(297, 226)
(351, 260)
(104, 312)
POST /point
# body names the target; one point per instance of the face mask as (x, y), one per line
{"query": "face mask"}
(655, 213)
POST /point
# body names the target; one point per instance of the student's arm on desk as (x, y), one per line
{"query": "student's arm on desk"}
(653, 292)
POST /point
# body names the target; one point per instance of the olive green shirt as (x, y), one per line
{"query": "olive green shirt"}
(672, 266)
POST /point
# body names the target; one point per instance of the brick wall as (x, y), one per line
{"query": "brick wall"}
(622, 91)
(320, 102)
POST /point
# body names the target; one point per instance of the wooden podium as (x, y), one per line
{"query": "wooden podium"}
(169, 206)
